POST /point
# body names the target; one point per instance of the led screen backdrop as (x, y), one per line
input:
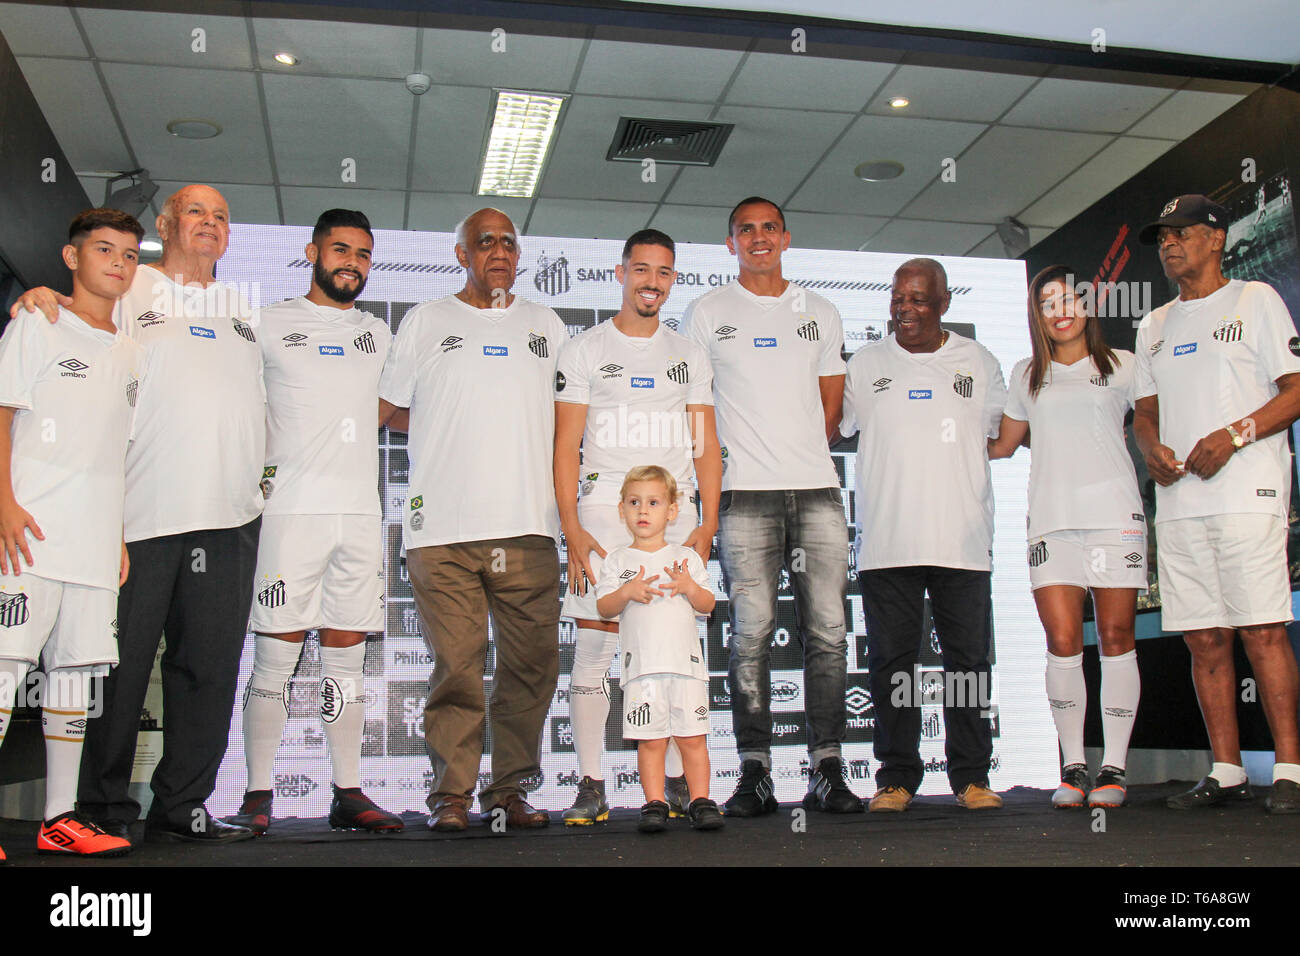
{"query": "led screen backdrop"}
(576, 278)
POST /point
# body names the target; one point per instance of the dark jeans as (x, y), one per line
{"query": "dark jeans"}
(804, 531)
(197, 587)
(961, 606)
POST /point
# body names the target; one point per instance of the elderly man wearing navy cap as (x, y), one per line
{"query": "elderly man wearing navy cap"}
(1217, 385)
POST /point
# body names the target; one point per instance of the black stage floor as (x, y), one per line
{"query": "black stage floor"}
(934, 832)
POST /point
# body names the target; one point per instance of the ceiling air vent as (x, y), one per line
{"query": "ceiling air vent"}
(668, 141)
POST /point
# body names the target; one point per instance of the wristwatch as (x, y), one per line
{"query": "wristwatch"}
(1237, 440)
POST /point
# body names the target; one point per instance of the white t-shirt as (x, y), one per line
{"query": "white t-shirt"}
(923, 493)
(200, 429)
(1212, 361)
(480, 384)
(636, 390)
(661, 637)
(75, 389)
(768, 353)
(1081, 475)
(322, 391)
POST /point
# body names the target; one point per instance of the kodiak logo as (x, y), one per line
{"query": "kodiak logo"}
(552, 276)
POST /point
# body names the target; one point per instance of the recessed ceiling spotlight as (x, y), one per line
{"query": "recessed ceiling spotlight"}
(878, 171)
(286, 59)
(193, 129)
(151, 245)
(898, 102)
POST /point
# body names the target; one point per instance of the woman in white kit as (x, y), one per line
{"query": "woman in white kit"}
(1087, 528)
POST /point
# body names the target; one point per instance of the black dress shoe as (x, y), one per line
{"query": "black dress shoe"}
(1285, 797)
(1209, 793)
(115, 827)
(204, 829)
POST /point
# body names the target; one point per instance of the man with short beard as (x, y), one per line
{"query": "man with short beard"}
(320, 562)
(476, 370)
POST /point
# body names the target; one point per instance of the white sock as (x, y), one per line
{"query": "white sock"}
(673, 760)
(63, 714)
(12, 674)
(1286, 771)
(1121, 687)
(343, 709)
(1068, 696)
(589, 696)
(1228, 774)
(266, 705)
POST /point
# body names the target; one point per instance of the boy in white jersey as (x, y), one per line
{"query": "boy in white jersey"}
(1218, 384)
(665, 679)
(67, 399)
(1087, 528)
(628, 391)
(320, 560)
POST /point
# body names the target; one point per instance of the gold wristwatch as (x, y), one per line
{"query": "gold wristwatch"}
(1237, 440)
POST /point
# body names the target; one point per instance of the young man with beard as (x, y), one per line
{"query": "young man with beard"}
(320, 563)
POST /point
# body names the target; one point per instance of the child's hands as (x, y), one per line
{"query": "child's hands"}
(14, 522)
(639, 588)
(680, 580)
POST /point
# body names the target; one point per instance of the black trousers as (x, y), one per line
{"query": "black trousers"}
(197, 587)
(961, 606)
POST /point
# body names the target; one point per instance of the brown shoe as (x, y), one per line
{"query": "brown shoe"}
(890, 799)
(520, 815)
(978, 797)
(450, 814)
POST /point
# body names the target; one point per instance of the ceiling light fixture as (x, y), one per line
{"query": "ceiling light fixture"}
(286, 59)
(898, 102)
(877, 171)
(523, 127)
(193, 129)
(151, 245)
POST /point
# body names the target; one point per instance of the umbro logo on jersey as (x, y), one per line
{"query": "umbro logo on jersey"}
(496, 350)
(1037, 554)
(882, 384)
(365, 342)
(74, 368)
(1185, 349)
(963, 385)
(726, 333)
(917, 393)
(150, 318)
(1134, 559)
(701, 711)
(199, 331)
(627, 575)
(1228, 331)
(331, 350)
(272, 595)
(612, 371)
(679, 373)
(765, 342)
(451, 343)
(809, 331)
(537, 345)
(641, 381)
(13, 610)
(132, 389)
(243, 329)
(294, 340)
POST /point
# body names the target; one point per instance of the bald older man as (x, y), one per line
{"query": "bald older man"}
(193, 510)
(476, 371)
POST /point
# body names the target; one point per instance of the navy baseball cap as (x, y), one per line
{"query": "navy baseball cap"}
(1190, 210)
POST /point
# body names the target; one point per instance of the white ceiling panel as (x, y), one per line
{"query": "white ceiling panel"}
(1004, 172)
(1110, 168)
(449, 140)
(168, 38)
(586, 219)
(937, 93)
(990, 248)
(527, 62)
(693, 223)
(800, 81)
(439, 212)
(1057, 103)
(829, 231)
(761, 157)
(667, 72)
(43, 30)
(303, 205)
(72, 99)
(371, 124)
(149, 97)
(354, 49)
(250, 204)
(927, 238)
(920, 145)
(578, 169)
(1184, 113)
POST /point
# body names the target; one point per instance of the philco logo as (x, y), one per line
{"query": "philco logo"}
(331, 350)
(679, 373)
(537, 344)
(881, 384)
(639, 381)
(1185, 349)
(765, 342)
(1228, 331)
(726, 333)
(560, 381)
(809, 331)
(919, 393)
(272, 595)
(13, 609)
(243, 329)
(294, 340)
(552, 276)
(451, 343)
(200, 332)
(331, 700)
(365, 342)
(74, 368)
(963, 385)
(495, 350)
(1037, 554)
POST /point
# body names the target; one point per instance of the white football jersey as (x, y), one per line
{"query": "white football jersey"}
(480, 384)
(75, 389)
(923, 494)
(200, 429)
(1081, 476)
(636, 391)
(1210, 362)
(322, 368)
(767, 355)
(661, 637)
